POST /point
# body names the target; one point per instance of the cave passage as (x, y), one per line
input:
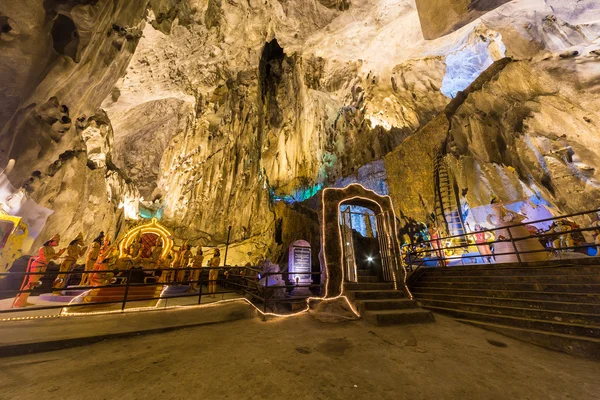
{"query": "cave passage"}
(65, 37)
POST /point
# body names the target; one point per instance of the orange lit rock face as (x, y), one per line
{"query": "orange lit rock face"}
(208, 119)
(440, 17)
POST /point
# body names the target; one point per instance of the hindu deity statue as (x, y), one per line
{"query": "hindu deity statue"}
(196, 263)
(184, 256)
(511, 226)
(565, 240)
(75, 249)
(91, 258)
(104, 263)
(136, 248)
(37, 265)
(213, 274)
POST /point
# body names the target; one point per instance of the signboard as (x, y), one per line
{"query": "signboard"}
(300, 264)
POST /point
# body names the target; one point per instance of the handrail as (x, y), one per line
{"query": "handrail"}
(417, 254)
(245, 282)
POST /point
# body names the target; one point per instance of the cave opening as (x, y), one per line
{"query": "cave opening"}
(269, 78)
(65, 37)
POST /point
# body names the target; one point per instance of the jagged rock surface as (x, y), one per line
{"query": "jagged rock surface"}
(218, 106)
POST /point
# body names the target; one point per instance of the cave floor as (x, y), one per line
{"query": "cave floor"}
(303, 358)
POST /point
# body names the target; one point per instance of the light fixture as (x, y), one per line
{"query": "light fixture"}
(370, 259)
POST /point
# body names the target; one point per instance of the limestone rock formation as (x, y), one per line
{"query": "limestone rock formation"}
(216, 110)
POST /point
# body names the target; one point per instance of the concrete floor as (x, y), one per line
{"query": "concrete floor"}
(301, 358)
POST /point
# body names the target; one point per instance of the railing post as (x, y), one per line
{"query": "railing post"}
(512, 240)
(265, 296)
(200, 286)
(126, 291)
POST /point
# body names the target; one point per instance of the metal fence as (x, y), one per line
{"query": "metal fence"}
(137, 288)
(568, 237)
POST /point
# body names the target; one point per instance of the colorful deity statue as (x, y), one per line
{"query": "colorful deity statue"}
(481, 240)
(38, 266)
(565, 240)
(104, 263)
(74, 251)
(91, 258)
(196, 265)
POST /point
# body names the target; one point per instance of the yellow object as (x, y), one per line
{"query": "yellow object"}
(13, 247)
(153, 227)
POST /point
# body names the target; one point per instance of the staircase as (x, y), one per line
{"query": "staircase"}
(381, 305)
(446, 206)
(554, 307)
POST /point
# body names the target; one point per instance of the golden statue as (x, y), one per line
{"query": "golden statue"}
(196, 265)
(91, 258)
(74, 251)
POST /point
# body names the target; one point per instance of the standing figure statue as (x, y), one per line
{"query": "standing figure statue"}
(74, 251)
(39, 265)
(184, 259)
(481, 239)
(564, 241)
(196, 265)
(91, 257)
(437, 245)
(213, 274)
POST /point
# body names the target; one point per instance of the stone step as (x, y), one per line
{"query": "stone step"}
(368, 278)
(542, 287)
(514, 294)
(501, 269)
(570, 344)
(524, 323)
(374, 294)
(398, 317)
(521, 312)
(588, 308)
(368, 286)
(394, 304)
(583, 279)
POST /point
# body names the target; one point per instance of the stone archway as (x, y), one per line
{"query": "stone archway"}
(331, 237)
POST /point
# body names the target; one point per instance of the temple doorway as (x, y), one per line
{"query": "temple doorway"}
(359, 232)
(361, 248)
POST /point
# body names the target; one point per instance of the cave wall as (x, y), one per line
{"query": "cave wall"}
(216, 109)
(56, 79)
(440, 17)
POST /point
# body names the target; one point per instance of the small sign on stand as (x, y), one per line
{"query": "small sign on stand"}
(300, 267)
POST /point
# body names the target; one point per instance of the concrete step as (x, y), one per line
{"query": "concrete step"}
(367, 278)
(542, 287)
(555, 278)
(570, 344)
(368, 286)
(398, 317)
(588, 308)
(394, 304)
(593, 298)
(502, 269)
(546, 315)
(524, 323)
(374, 294)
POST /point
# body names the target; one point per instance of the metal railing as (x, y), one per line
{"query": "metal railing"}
(548, 244)
(124, 289)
